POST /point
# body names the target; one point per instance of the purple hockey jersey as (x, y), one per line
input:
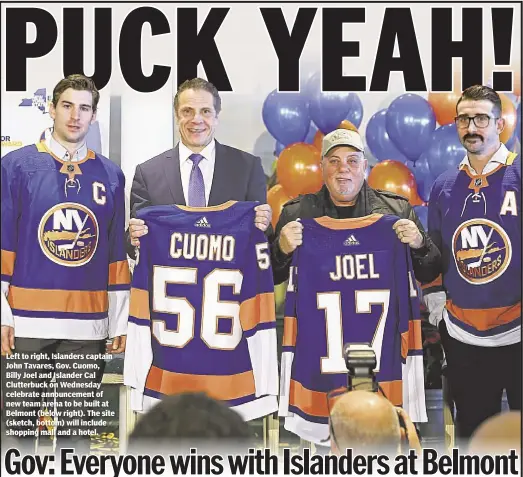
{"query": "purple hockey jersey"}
(202, 313)
(352, 281)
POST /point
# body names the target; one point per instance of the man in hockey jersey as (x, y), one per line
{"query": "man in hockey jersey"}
(346, 194)
(199, 171)
(475, 221)
(64, 271)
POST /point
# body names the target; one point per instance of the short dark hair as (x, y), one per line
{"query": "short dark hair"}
(186, 420)
(481, 93)
(78, 83)
(199, 84)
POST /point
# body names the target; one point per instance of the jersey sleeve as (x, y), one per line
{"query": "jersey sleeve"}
(10, 213)
(258, 315)
(119, 275)
(138, 354)
(290, 328)
(434, 295)
(411, 343)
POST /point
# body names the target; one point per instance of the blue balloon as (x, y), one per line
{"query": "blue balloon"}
(410, 122)
(310, 135)
(422, 211)
(329, 109)
(378, 139)
(278, 148)
(286, 117)
(445, 151)
(424, 177)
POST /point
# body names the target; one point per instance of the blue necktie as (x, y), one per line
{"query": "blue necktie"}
(196, 185)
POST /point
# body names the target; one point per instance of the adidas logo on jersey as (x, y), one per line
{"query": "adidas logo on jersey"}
(202, 222)
(351, 240)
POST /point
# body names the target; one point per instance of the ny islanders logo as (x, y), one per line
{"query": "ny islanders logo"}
(68, 234)
(482, 250)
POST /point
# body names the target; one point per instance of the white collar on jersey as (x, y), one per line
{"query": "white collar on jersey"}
(500, 157)
(61, 152)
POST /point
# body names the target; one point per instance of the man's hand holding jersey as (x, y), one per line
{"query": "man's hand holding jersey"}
(262, 219)
(117, 345)
(291, 237)
(8, 340)
(408, 232)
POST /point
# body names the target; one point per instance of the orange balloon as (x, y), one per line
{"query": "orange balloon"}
(298, 169)
(396, 177)
(276, 198)
(318, 140)
(346, 124)
(509, 115)
(444, 106)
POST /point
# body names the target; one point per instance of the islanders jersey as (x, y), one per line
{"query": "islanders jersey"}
(64, 267)
(202, 314)
(351, 282)
(475, 222)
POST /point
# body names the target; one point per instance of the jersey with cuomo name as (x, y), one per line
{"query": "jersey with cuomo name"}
(475, 221)
(202, 316)
(351, 282)
(64, 266)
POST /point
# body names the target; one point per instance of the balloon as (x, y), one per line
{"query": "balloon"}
(445, 151)
(309, 139)
(444, 106)
(509, 115)
(346, 124)
(396, 177)
(379, 141)
(318, 140)
(422, 211)
(410, 121)
(423, 176)
(328, 109)
(298, 169)
(286, 117)
(278, 148)
(276, 198)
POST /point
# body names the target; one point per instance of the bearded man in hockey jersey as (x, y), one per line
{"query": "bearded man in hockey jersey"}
(64, 272)
(475, 222)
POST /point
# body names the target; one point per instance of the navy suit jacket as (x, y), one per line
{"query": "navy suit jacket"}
(237, 176)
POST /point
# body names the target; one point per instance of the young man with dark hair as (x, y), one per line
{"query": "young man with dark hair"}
(474, 219)
(64, 269)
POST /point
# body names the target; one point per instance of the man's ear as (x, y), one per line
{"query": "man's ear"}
(500, 125)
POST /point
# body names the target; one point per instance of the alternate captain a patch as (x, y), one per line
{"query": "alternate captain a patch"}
(482, 250)
(68, 234)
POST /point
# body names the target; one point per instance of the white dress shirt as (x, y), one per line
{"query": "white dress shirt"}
(500, 157)
(62, 153)
(206, 166)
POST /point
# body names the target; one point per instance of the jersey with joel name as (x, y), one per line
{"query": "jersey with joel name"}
(202, 314)
(476, 222)
(64, 266)
(351, 282)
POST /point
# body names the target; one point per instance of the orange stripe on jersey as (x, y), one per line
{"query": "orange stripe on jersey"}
(313, 403)
(8, 262)
(67, 301)
(210, 208)
(411, 340)
(119, 273)
(225, 388)
(290, 330)
(256, 310)
(345, 224)
(139, 304)
(438, 282)
(393, 391)
(487, 319)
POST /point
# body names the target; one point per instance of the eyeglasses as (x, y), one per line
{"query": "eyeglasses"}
(480, 120)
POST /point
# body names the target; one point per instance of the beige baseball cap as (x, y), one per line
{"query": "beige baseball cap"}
(341, 137)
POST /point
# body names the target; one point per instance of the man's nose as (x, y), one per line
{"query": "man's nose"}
(472, 127)
(75, 113)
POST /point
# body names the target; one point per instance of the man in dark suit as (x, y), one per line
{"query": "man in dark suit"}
(199, 171)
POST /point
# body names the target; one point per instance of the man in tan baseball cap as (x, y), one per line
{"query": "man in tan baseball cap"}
(346, 194)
